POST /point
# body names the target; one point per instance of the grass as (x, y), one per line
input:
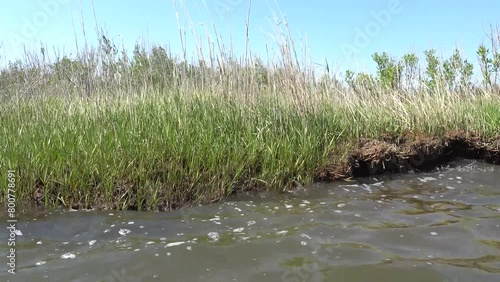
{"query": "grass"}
(167, 133)
(162, 150)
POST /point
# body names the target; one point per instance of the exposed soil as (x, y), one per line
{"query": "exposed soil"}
(410, 152)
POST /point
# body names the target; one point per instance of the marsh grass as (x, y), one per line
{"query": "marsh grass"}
(164, 132)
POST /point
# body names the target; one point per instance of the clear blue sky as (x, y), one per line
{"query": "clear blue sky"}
(334, 29)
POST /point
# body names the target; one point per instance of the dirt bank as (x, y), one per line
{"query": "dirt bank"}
(410, 152)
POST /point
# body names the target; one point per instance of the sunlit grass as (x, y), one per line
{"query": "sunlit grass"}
(168, 133)
(165, 149)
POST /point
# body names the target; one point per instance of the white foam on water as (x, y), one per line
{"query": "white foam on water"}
(426, 179)
(366, 188)
(213, 235)
(124, 232)
(68, 256)
(251, 222)
(305, 236)
(173, 244)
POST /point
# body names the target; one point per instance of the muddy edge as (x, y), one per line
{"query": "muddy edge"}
(410, 152)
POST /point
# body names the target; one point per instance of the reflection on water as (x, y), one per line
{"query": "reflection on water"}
(442, 226)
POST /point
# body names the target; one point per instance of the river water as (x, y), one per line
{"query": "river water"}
(442, 226)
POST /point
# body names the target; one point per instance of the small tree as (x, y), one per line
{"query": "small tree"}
(489, 61)
(410, 68)
(432, 70)
(485, 63)
(388, 71)
(457, 72)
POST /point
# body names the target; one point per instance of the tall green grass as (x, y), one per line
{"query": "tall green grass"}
(163, 150)
(166, 132)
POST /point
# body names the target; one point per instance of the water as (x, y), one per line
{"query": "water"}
(442, 226)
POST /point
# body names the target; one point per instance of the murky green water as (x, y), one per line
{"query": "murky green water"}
(442, 226)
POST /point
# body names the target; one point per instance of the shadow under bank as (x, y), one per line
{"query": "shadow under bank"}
(401, 154)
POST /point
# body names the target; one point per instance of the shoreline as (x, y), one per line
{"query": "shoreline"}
(412, 152)
(168, 150)
(369, 157)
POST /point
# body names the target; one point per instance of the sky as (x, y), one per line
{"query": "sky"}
(344, 33)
